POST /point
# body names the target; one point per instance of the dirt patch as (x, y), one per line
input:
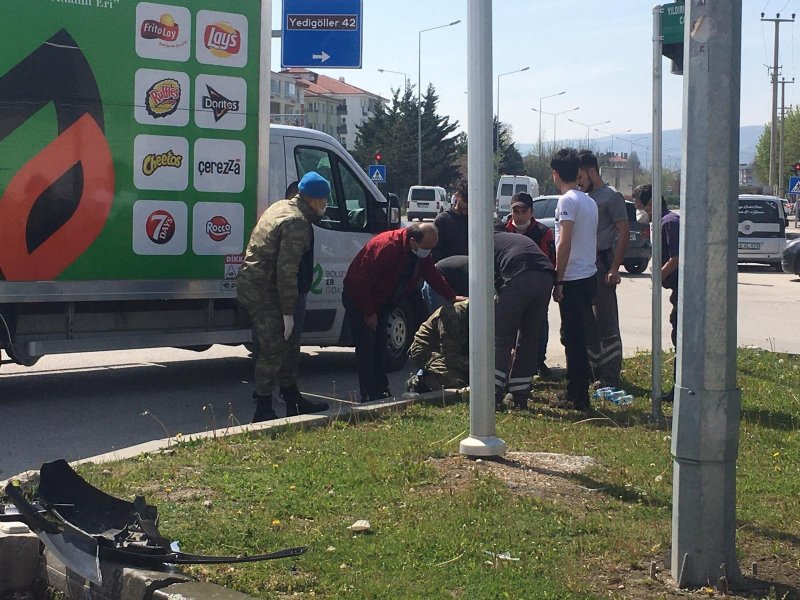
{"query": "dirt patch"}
(542, 474)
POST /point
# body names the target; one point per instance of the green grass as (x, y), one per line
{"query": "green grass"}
(433, 537)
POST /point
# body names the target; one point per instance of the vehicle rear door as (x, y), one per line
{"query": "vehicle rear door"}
(762, 227)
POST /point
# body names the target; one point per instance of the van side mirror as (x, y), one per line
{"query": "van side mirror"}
(393, 214)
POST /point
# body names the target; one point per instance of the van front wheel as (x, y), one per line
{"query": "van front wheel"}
(399, 334)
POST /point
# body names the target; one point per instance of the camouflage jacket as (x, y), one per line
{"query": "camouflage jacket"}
(446, 333)
(280, 239)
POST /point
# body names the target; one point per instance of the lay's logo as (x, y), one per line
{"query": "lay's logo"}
(222, 39)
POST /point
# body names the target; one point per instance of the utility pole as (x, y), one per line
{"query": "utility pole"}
(781, 172)
(705, 423)
(773, 137)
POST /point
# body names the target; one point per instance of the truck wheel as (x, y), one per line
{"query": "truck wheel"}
(635, 266)
(399, 334)
(778, 267)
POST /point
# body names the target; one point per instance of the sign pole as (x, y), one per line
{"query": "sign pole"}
(657, 415)
(482, 440)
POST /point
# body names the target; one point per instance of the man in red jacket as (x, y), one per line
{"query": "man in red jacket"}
(385, 272)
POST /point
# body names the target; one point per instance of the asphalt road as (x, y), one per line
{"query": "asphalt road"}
(81, 405)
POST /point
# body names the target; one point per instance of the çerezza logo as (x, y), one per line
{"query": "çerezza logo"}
(222, 39)
(218, 228)
(152, 162)
(218, 104)
(165, 29)
(160, 227)
(163, 97)
(232, 166)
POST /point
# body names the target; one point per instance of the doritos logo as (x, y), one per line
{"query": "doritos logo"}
(165, 29)
(218, 228)
(222, 39)
(218, 104)
(160, 227)
(55, 205)
(163, 97)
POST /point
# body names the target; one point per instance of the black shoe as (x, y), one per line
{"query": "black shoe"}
(669, 397)
(378, 396)
(565, 402)
(416, 384)
(544, 370)
(264, 410)
(296, 404)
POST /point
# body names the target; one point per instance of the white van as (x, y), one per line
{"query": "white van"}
(762, 230)
(426, 202)
(510, 185)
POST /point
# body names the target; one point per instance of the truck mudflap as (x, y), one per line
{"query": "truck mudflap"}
(83, 526)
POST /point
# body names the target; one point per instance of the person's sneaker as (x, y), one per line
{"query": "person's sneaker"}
(264, 410)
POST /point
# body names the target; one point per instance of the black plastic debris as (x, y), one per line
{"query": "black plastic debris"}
(83, 525)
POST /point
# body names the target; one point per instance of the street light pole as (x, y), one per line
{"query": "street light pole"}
(613, 135)
(497, 133)
(540, 116)
(405, 77)
(589, 127)
(555, 116)
(419, 96)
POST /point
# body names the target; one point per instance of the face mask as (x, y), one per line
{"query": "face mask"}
(523, 225)
(422, 252)
(642, 217)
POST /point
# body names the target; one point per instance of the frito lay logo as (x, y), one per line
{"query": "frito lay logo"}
(163, 97)
(222, 39)
(160, 227)
(165, 29)
(218, 228)
(152, 162)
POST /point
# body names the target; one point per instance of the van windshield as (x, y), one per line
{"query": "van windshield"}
(424, 195)
(507, 189)
(758, 211)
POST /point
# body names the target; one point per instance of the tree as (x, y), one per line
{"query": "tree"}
(791, 149)
(507, 160)
(392, 131)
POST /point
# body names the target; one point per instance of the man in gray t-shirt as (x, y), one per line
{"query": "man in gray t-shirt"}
(605, 343)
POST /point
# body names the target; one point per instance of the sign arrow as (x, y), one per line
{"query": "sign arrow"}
(321, 57)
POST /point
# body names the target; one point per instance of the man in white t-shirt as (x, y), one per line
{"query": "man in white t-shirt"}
(576, 281)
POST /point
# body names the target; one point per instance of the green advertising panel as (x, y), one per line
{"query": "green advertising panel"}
(128, 138)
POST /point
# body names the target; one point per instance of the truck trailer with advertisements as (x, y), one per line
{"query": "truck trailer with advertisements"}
(134, 154)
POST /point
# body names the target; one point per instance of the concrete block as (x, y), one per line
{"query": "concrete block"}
(120, 582)
(198, 591)
(19, 557)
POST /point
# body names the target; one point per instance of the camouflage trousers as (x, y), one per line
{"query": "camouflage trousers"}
(436, 374)
(277, 359)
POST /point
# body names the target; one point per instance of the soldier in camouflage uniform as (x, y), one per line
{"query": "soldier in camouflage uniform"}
(441, 350)
(272, 285)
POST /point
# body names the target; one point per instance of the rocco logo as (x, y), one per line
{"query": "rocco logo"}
(163, 97)
(218, 228)
(165, 29)
(222, 39)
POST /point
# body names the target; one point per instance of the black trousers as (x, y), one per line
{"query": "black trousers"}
(577, 319)
(370, 348)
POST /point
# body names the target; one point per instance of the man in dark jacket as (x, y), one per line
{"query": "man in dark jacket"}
(452, 227)
(524, 279)
(272, 286)
(385, 272)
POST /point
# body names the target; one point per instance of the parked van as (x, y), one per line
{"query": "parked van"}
(510, 185)
(762, 230)
(426, 202)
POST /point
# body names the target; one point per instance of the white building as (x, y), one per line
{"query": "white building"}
(353, 105)
(286, 100)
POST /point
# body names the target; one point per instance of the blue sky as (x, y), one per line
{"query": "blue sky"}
(598, 51)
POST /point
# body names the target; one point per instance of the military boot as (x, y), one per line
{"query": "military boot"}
(297, 405)
(264, 410)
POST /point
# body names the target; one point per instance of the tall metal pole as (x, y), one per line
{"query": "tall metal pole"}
(657, 416)
(540, 116)
(773, 133)
(482, 440)
(781, 163)
(497, 134)
(705, 434)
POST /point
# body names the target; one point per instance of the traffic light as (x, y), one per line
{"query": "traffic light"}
(378, 157)
(797, 168)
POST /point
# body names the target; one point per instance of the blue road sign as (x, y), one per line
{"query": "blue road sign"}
(377, 173)
(794, 185)
(321, 34)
